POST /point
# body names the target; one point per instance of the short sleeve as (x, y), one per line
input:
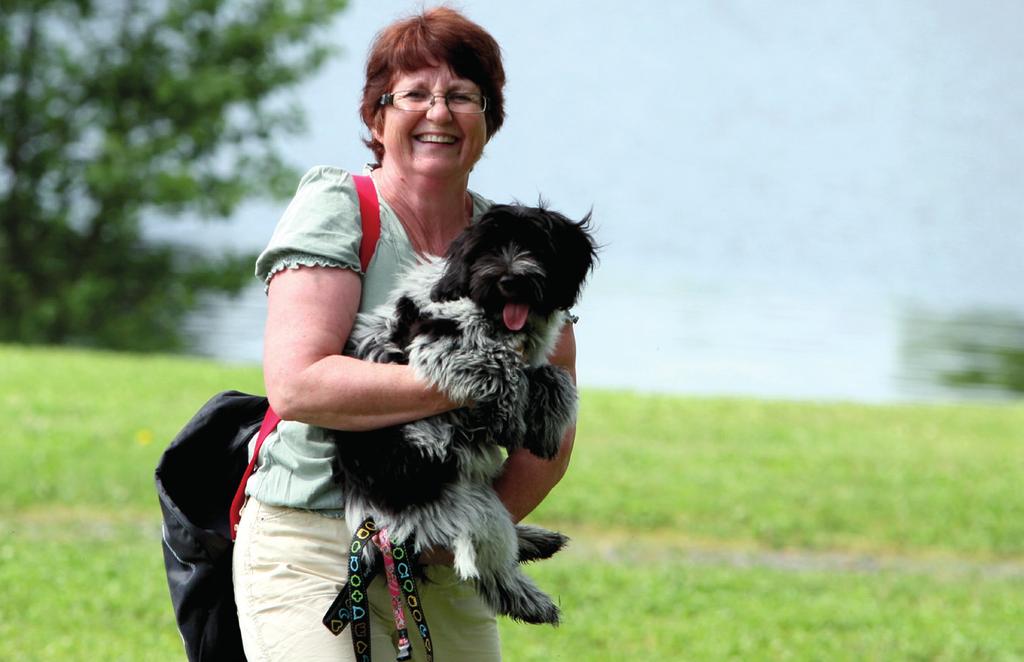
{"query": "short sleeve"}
(320, 227)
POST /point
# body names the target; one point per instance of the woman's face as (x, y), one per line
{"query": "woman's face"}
(434, 142)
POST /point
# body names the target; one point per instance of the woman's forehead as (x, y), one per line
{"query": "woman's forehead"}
(431, 76)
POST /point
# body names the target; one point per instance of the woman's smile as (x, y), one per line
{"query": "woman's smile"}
(436, 138)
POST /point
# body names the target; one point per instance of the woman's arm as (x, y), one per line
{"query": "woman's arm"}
(526, 479)
(310, 312)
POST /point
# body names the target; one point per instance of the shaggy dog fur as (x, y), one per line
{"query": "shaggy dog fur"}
(478, 325)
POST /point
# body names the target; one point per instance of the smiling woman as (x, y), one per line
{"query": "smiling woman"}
(426, 145)
(433, 42)
(432, 99)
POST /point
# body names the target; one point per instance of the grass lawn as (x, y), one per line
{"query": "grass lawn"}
(704, 529)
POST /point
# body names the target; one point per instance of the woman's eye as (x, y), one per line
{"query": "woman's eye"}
(415, 95)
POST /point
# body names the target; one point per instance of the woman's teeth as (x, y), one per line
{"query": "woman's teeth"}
(430, 138)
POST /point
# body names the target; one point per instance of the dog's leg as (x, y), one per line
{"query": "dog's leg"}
(551, 409)
(511, 593)
(536, 543)
(500, 583)
(464, 552)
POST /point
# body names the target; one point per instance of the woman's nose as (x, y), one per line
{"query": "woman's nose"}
(439, 110)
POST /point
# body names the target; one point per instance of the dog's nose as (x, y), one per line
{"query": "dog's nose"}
(508, 285)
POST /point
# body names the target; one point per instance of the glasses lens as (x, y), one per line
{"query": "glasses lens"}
(457, 102)
(412, 100)
(464, 102)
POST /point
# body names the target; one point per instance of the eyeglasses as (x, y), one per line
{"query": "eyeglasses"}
(419, 101)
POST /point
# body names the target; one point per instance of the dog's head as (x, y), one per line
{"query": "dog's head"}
(519, 260)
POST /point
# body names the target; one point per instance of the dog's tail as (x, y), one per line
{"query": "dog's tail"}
(513, 594)
(536, 543)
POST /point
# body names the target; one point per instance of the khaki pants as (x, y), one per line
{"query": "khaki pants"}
(289, 566)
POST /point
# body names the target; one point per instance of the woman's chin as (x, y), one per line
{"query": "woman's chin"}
(440, 167)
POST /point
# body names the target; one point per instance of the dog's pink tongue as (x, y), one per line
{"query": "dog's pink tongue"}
(515, 315)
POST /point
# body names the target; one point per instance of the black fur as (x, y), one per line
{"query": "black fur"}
(394, 474)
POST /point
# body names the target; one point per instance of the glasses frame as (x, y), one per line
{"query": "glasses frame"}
(388, 99)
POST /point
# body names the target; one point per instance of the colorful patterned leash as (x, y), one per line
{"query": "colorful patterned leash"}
(412, 596)
(381, 540)
(352, 603)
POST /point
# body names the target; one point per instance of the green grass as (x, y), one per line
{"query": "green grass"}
(686, 611)
(903, 526)
(79, 590)
(88, 427)
(818, 476)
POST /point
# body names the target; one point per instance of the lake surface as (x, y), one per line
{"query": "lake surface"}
(804, 203)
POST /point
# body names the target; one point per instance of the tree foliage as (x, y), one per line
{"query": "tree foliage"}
(115, 111)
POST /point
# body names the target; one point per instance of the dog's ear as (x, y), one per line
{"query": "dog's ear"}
(454, 281)
(576, 254)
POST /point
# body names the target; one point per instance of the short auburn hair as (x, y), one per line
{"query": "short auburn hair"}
(438, 36)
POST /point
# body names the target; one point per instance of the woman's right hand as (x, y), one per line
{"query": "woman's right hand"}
(437, 556)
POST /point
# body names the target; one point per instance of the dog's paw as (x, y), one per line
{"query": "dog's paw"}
(550, 409)
(465, 558)
(475, 374)
(513, 594)
(536, 543)
(500, 423)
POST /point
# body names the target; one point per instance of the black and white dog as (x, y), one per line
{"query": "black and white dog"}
(478, 325)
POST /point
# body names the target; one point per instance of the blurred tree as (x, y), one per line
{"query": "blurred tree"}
(990, 349)
(118, 109)
(974, 352)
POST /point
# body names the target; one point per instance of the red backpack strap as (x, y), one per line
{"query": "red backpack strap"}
(369, 214)
(270, 421)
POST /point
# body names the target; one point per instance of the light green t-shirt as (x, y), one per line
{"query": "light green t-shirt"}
(321, 228)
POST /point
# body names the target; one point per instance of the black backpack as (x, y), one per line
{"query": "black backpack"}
(196, 481)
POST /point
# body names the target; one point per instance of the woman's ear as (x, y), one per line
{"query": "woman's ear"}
(377, 130)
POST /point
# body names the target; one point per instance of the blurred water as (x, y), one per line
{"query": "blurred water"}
(796, 201)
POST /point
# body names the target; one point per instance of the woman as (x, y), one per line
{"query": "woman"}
(432, 99)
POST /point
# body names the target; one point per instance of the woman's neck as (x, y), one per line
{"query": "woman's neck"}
(432, 211)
